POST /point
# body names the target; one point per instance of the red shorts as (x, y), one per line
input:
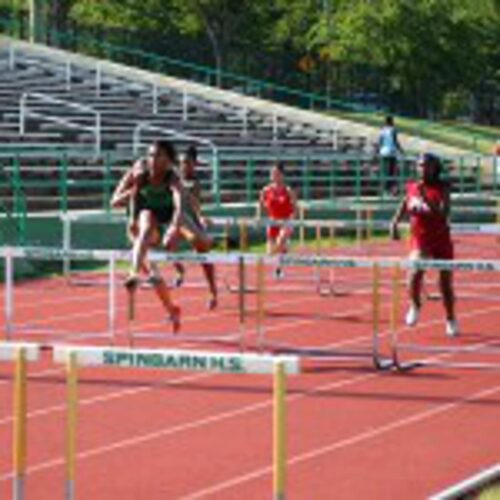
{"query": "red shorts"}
(274, 231)
(440, 250)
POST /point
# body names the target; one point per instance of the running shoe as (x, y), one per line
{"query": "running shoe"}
(131, 282)
(412, 315)
(452, 329)
(278, 273)
(178, 280)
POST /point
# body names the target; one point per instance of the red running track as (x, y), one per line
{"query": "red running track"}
(353, 432)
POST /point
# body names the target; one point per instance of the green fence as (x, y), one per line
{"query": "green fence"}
(60, 182)
(13, 209)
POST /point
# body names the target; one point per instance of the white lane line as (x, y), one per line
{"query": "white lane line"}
(343, 443)
(168, 431)
(136, 391)
(190, 425)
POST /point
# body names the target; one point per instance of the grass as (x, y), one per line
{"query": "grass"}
(325, 243)
(467, 136)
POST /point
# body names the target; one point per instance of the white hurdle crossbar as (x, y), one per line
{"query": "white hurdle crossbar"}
(184, 360)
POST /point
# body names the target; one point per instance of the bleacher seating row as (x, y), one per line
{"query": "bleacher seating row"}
(77, 123)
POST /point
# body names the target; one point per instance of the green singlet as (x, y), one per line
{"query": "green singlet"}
(159, 199)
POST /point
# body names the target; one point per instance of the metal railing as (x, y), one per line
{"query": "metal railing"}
(61, 182)
(25, 112)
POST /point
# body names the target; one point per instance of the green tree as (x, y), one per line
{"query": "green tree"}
(228, 26)
(425, 48)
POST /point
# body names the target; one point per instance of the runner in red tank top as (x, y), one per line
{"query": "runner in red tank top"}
(427, 203)
(278, 202)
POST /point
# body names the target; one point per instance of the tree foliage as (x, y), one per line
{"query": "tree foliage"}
(421, 55)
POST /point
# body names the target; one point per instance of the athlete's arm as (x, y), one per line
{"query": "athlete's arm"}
(123, 191)
(397, 143)
(399, 214)
(293, 201)
(178, 205)
(261, 207)
(436, 207)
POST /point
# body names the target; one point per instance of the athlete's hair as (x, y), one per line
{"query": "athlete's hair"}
(280, 166)
(168, 148)
(389, 120)
(430, 159)
(191, 153)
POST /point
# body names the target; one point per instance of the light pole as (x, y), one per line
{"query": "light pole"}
(328, 20)
(35, 19)
(31, 20)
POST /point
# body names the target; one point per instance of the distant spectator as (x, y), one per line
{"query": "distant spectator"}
(496, 154)
(388, 147)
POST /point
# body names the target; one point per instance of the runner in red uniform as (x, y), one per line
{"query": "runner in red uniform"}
(427, 203)
(277, 200)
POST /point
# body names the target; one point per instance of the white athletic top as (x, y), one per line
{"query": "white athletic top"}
(387, 142)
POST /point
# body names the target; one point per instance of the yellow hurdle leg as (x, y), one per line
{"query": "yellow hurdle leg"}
(20, 425)
(71, 424)
(279, 432)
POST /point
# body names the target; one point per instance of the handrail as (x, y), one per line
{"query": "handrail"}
(136, 142)
(25, 112)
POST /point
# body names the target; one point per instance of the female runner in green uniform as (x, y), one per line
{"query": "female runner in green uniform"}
(152, 190)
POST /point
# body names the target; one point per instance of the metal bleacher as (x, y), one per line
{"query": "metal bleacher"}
(122, 100)
(70, 125)
(55, 103)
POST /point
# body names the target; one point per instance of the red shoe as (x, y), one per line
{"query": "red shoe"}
(131, 283)
(175, 318)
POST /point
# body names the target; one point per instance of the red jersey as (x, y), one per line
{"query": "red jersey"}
(429, 231)
(277, 201)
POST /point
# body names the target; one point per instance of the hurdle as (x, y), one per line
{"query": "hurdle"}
(431, 352)
(178, 360)
(67, 222)
(236, 336)
(322, 263)
(10, 254)
(373, 353)
(111, 258)
(21, 353)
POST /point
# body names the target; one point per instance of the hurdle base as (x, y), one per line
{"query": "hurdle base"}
(383, 364)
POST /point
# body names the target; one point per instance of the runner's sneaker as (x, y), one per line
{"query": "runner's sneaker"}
(452, 328)
(131, 282)
(411, 318)
(278, 273)
(178, 280)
